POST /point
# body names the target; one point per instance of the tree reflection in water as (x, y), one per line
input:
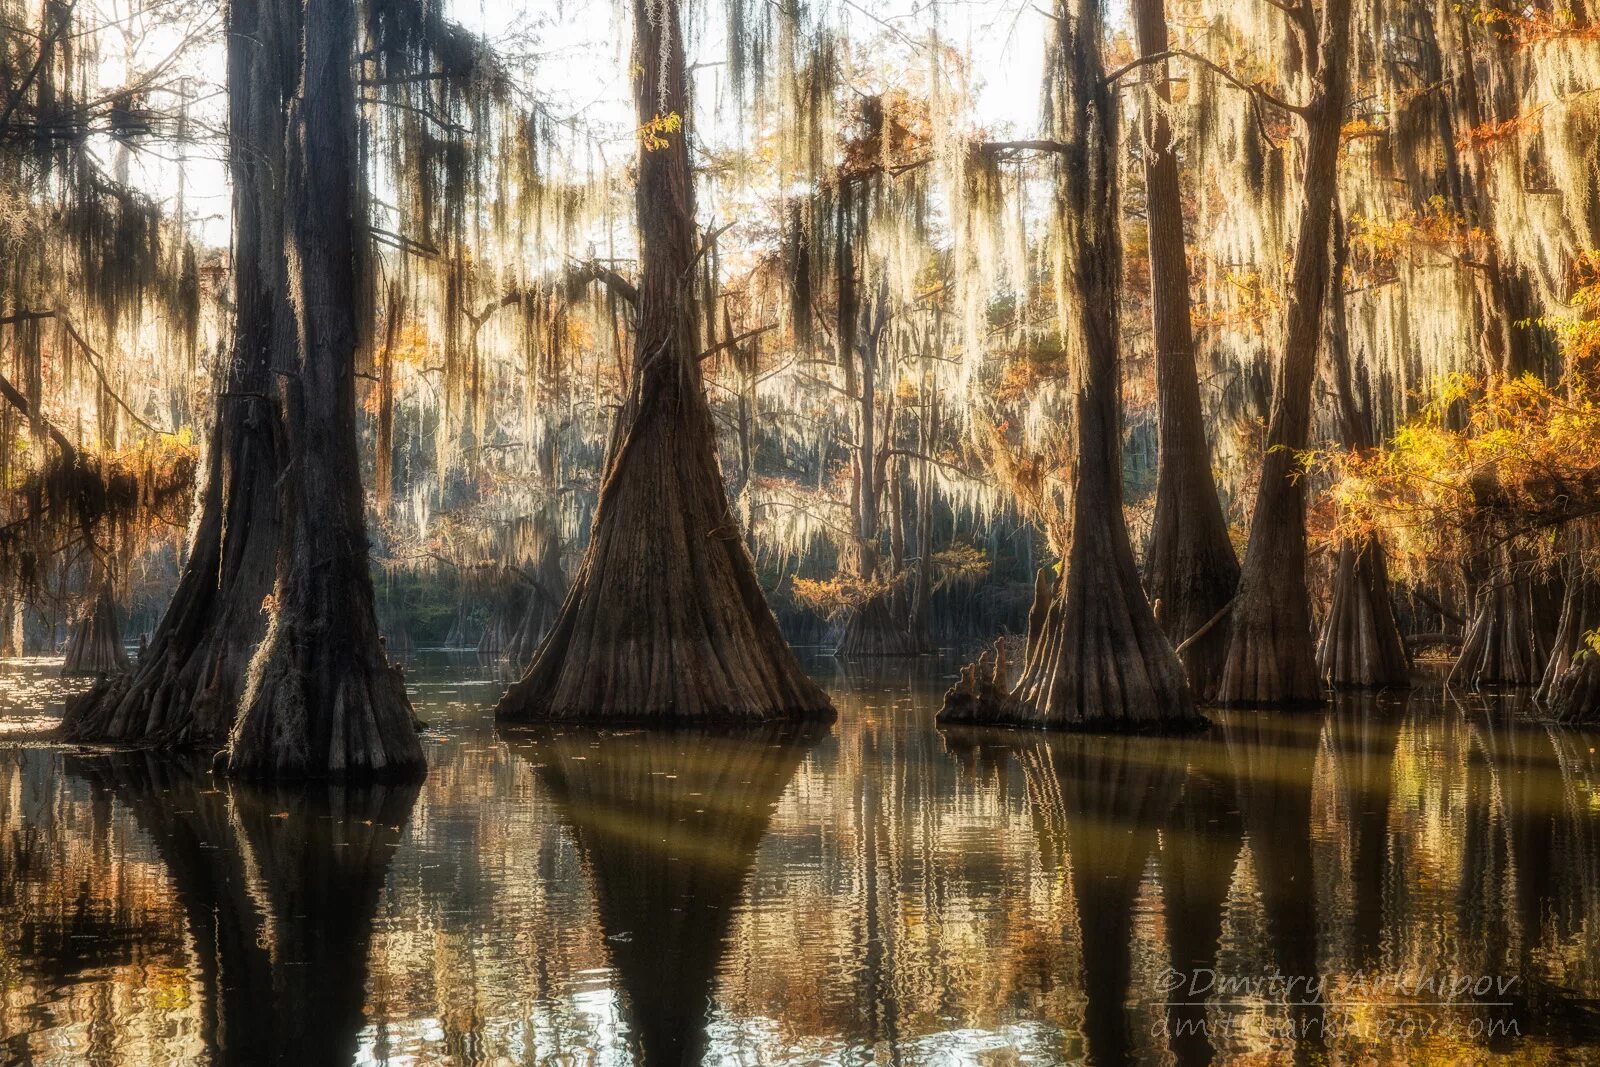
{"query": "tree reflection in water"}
(669, 822)
(279, 886)
(890, 894)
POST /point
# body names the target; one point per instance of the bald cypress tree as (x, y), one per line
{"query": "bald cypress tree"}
(1191, 570)
(665, 620)
(1098, 659)
(185, 689)
(321, 698)
(1271, 658)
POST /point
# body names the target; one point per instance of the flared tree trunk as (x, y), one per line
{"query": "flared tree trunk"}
(1271, 657)
(501, 625)
(549, 583)
(1100, 662)
(1192, 571)
(542, 609)
(1570, 688)
(397, 641)
(322, 699)
(185, 689)
(95, 646)
(1360, 645)
(1575, 697)
(1509, 636)
(665, 620)
(873, 630)
(1514, 613)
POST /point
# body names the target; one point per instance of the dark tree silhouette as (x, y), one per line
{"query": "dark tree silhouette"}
(95, 645)
(1360, 646)
(1271, 657)
(322, 699)
(1191, 569)
(185, 689)
(1098, 659)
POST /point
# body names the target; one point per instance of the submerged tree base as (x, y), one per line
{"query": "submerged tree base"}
(981, 696)
(316, 707)
(1361, 647)
(1271, 660)
(665, 622)
(1508, 641)
(96, 643)
(871, 631)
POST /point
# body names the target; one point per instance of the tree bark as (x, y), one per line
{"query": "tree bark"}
(1570, 686)
(1513, 613)
(1509, 637)
(665, 620)
(1101, 661)
(321, 699)
(1192, 570)
(95, 646)
(185, 689)
(1271, 657)
(873, 628)
(1360, 646)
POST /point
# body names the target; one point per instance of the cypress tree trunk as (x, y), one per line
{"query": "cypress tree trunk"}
(1575, 696)
(185, 689)
(873, 628)
(1360, 645)
(1570, 688)
(1271, 656)
(95, 646)
(920, 623)
(1514, 615)
(1100, 661)
(665, 620)
(1191, 570)
(321, 699)
(1509, 636)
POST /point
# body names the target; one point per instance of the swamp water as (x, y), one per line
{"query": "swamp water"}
(1396, 879)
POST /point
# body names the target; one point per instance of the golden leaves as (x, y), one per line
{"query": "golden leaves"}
(656, 134)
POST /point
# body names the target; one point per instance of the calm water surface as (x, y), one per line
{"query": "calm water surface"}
(1393, 880)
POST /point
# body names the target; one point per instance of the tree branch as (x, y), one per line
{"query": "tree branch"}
(1255, 89)
(734, 341)
(595, 271)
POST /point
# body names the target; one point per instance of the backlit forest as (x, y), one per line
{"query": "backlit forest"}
(1258, 358)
